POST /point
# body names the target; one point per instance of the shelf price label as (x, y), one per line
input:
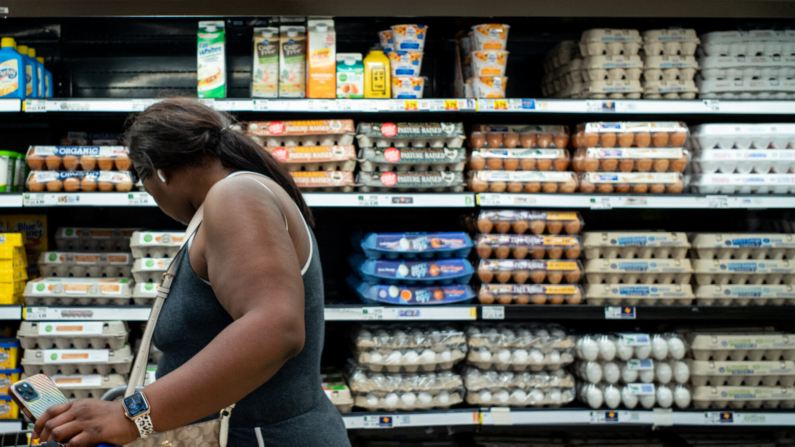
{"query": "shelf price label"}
(493, 312)
(720, 417)
(451, 104)
(33, 200)
(209, 102)
(500, 104)
(718, 202)
(410, 106)
(600, 203)
(619, 313)
(35, 105)
(138, 199)
(260, 105)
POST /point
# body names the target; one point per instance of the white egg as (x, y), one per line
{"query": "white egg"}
(594, 397)
(444, 397)
(502, 396)
(436, 336)
(394, 358)
(417, 334)
(382, 336)
(404, 243)
(365, 334)
(590, 349)
(536, 396)
(643, 351)
(663, 372)
(542, 333)
(400, 337)
(391, 400)
(372, 400)
(612, 397)
(523, 334)
(518, 396)
(559, 373)
(682, 397)
(628, 375)
(509, 334)
(646, 376)
(664, 397)
(629, 399)
(428, 356)
(676, 347)
(624, 352)
(446, 355)
(378, 379)
(593, 372)
(559, 334)
(647, 402)
(425, 398)
(411, 357)
(504, 356)
(485, 355)
(659, 348)
(402, 271)
(554, 356)
(607, 349)
(394, 291)
(485, 396)
(520, 356)
(376, 357)
(681, 372)
(555, 396)
(408, 398)
(611, 373)
(536, 356)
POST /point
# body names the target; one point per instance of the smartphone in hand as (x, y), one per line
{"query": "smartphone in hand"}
(35, 395)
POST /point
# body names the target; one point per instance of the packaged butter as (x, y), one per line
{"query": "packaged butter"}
(265, 72)
(350, 75)
(211, 60)
(292, 62)
(321, 59)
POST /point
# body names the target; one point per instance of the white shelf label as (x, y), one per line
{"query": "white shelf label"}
(209, 102)
(717, 201)
(139, 199)
(663, 417)
(260, 105)
(35, 105)
(493, 312)
(501, 416)
(619, 313)
(139, 105)
(600, 203)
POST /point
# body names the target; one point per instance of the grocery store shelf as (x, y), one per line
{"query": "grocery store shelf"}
(39, 199)
(11, 312)
(407, 313)
(638, 106)
(610, 201)
(10, 105)
(423, 419)
(92, 313)
(11, 200)
(399, 200)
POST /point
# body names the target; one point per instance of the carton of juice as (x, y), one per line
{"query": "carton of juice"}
(350, 75)
(265, 72)
(292, 61)
(321, 64)
(211, 60)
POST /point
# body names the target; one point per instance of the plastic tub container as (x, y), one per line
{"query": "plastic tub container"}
(490, 36)
(409, 37)
(488, 86)
(529, 294)
(537, 271)
(489, 63)
(405, 63)
(407, 87)
(503, 246)
(387, 42)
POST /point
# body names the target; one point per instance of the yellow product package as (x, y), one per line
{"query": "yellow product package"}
(8, 408)
(9, 351)
(7, 377)
(34, 227)
(11, 244)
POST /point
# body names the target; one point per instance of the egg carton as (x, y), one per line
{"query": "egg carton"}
(744, 161)
(95, 265)
(575, 90)
(742, 346)
(89, 386)
(639, 295)
(80, 335)
(340, 396)
(150, 269)
(611, 74)
(364, 381)
(520, 246)
(519, 359)
(416, 245)
(599, 41)
(743, 136)
(78, 291)
(743, 183)
(156, 244)
(441, 271)
(519, 159)
(144, 293)
(529, 293)
(494, 338)
(421, 159)
(77, 361)
(638, 271)
(670, 42)
(72, 181)
(758, 246)
(411, 295)
(636, 244)
(748, 43)
(524, 136)
(738, 272)
(743, 397)
(93, 239)
(561, 54)
(315, 158)
(609, 67)
(627, 346)
(510, 397)
(414, 135)
(409, 400)
(670, 68)
(401, 336)
(636, 182)
(675, 89)
(752, 374)
(611, 89)
(538, 222)
(724, 295)
(72, 158)
(630, 159)
(522, 181)
(536, 270)
(648, 395)
(568, 74)
(437, 181)
(494, 381)
(625, 134)
(409, 360)
(759, 67)
(757, 89)
(633, 371)
(302, 133)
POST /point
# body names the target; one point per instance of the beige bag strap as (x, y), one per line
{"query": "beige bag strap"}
(138, 373)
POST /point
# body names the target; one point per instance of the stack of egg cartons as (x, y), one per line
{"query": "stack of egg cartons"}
(92, 267)
(669, 64)
(413, 268)
(401, 367)
(747, 65)
(319, 154)
(743, 158)
(742, 369)
(611, 66)
(518, 365)
(559, 63)
(744, 269)
(13, 267)
(553, 235)
(628, 369)
(411, 157)
(79, 168)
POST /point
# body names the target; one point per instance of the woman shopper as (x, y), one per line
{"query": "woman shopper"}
(243, 322)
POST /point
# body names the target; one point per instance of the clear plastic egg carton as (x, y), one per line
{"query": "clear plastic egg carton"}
(630, 159)
(401, 336)
(611, 68)
(743, 136)
(743, 183)
(525, 136)
(743, 397)
(78, 291)
(493, 381)
(324, 181)
(409, 360)
(315, 158)
(79, 335)
(738, 346)
(759, 67)
(744, 161)
(628, 346)
(144, 293)
(517, 397)
(150, 269)
(670, 68)
(670, 42)
(530, 293)
(748, 43)
(739, 272)
(626, 134)
(757, 89)
(156, 244)
(639, 295)
(437, 181)
(549, 182)
(412, 245)
(89, 386)
(77, 361)
(538, 222)
(611, 89)
(302, 133)
(743, 246)
(95, 265)
(770, 373)
(544, 337)
(638, 271)
(93, 239)
(362, 380)
(521, 246)
(536, 270)
(561, 54)
(635, 244)
(519, 159)
(416, 135)
(408, 400)
(612, 42)
(633, 395)
(519, 359)
(745, 295)
(421, 159)
(633, 371)
(669, 89)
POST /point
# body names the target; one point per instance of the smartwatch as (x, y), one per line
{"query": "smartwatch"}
(136, 408)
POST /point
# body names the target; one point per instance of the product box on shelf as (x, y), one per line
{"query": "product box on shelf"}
(74, 361)
(211, 59)
(754, 89)
(416, 135)
(150, 269)
(95, 265)
(669, 68)
(745, 295)
(743, 397)
(630, 159)
(265, 71)
(321, 59)
(595, 42)
(626, 346)
(746, 271)
(670, 42)
(739, 345)
(86, 181)
(635, 244)
(156, 244)
(658, 134)
(404, 159)
(8, 408)
(72, 158)
(748, 43)
(648, 395)
(409, 360)
(752, 374)
(302, 133)
(292, 61)
(350, 75)
(93, 239)
(743, 246)
(638, 271)
(633, 371)
(537, 271)
(9, 353)
(530, 294)
(743, 161)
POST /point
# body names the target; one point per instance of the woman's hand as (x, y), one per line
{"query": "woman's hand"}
(86, 422)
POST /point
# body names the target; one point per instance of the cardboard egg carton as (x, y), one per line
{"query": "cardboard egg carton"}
(302, 133)
(78, 291)
(611, 68)
(759, 67)
(640, 244)
(363, 381)
(670, 68)
(407, 159)
(561, 54)
(576, 90)
(638, 271)
(639, 295)
(677, 89)
(150, 269)
(745, 295)
(748, 43)
(744, 161)
(747, 271)
(414, 135)
(743, 397)
(571, 73)
(756, 89)
(89, 386)
(742, 136)
(407, 400)
(519, 359)
(93, 239)
(611, 89)
(398, 361)
(156, 244)
(340, 396)
(315, 158)
(144, 293)
(614, 42)
(741, 346)
(77, 361)
(752, 374)
(743, 246)
(80, 335)
(494, 381)
(670, 42)
(743, 183)
(437, 181)
(95, 265)
(510, 397)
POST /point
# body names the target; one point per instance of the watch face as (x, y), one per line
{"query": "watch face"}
(135, 404)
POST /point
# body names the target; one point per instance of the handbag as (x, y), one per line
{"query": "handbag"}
(206, 434)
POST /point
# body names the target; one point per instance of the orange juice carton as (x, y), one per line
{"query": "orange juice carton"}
(292, 61)
(321, 59)
(265, 72)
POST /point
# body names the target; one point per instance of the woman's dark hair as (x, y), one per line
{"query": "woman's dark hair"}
(183, 132)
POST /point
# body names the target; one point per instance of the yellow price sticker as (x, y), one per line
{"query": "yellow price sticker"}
(451, 104)
(409, 105)
(500, 104)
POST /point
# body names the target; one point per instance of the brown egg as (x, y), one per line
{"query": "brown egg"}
(573, 226)
(123, 163)
(521, 299)
(626, 139)
(504, 299)
(54, 185)
(71, 163)
(578, 139)
(105, 186)
(640, 188)
(88, 162)
(510, 140)
(642, 139)
(35, 162)
(477, 140)
(532, 187)
(520, 227)
(561, 141)
(477, 163)
(609, 164)
(537, 226)
(573, 252)
(626, 165)
(590, 139)
(503, 277)
(555, 252)
(591, 164)
(587, 187)
(485, 275)
(502, 252)
(657, 188)
(494, 163)
(478, 185)
(544, 140)
(578, 162)
(520, 277)
(544, 164)
(679, 164)
(538, 299)
(528, 164)
(661, 165)
(88, 184)
(485, 225)
(494, 140)
(537, 277)
(573, 277)
(659, 139)
(550, 187)
(71, 184)
(35, 186)
(569, 187)
(53, 162)
(678, 138)
(608, 139)
(105, 164)
(555, 299)
(622, 188)
(561, 164)
(519, 252)
(515, 187)
(643, 165)
(605, 188)
(554, 277)
(528, 140)
(484, 249)
(497, 187)
(554, 226)
(675, 188)
(574, 298)
(502, 227)
(538, 253)
(485, 297)
(510, 164)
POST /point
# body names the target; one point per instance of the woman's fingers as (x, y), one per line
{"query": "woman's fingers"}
(53, 423)
(81, 440)
(49, 414)
(63, 432)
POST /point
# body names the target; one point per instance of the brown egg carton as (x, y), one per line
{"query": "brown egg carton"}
(631, 134)
(302, 132)
(530, 294)
(86, 181)
(323, 180)
(315, 158)
(525, 136)
(519, 159)
(520, 246)
(535, 270)
(522, 181)
(520, 221)
(72, 158)
(594, 159)
(635, 182)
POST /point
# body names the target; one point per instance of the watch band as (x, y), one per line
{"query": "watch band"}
(144, 424)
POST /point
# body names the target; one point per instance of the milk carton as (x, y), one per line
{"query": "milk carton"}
(265, 72)
(211, 60)
(321, 64)
(292, 61)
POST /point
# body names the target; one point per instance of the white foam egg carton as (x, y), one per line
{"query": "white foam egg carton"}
(742, 346)
(521, 336)
(613, 42)
(77, 361)
(758, 67)
(627, 346)
(630, 396)
(517, 397)
(520, 359)
(763, 373)
(408, 400)
(639, 295)
(669, 68)
(743, 245)
(743, 183)
(638, 271)
(682, 89)
(340, 396)
(410, 360)
(748, 43)
(742, 136)
(744, 161)
(746, 271)
(95, 265)
(78, 291)
(493, 381)
(407, 337)
(93, 239)
(616, 68)
(602, 89)
(636, 244)
(743, 397)
(670, 42)
(561, 54)
(633, 371)
(156, 244)
(150, 269)
(362, 380)
(745, 295)
(757, 89)
(144, 292)
(80, 335)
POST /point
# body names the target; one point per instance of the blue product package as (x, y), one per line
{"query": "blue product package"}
(412, 245)
(412, 295)
(442, 271)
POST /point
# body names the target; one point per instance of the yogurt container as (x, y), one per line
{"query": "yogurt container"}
(405, 63)
(387, 43)
(409, 37)
(490, 36)
(407, 86)
(489, 62)
(489, 86)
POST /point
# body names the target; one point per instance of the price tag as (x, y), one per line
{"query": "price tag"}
(663, 417)
(379, 421)
(719, 418)
(34, 313)
(604, 417)
(260, 105)
(600, 203)
(138, 199)
(619, 313)
(717, 201)
(493, 312)
(209, 102)
(500, 104)
(636, 201)
(368, 106)
(451, 104)
(35, 105)
(33, 200)
(372, 313)
(410, 106)
(712, 105)
(368, 200)
(139, 105)
(501, 416)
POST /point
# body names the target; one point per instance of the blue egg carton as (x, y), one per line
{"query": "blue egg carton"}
(401, 271)
(416, 245)
(411, 295)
